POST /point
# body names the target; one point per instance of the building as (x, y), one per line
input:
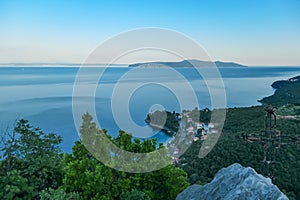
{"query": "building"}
(199, 125)
(215, 131)
(211, 125)
(190, 129)
(203, 137)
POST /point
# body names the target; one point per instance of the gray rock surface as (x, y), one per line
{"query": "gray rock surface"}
(234, 182)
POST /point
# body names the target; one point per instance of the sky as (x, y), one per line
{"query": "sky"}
(250, 32)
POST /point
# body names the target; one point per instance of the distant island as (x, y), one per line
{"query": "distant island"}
(183, 63)
(188, 63)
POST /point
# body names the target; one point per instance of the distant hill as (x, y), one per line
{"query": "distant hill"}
(188, 63)
(287, 92)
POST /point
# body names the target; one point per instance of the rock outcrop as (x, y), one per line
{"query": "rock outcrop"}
(234, 182)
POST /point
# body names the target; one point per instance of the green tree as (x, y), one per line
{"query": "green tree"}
(14, 186)
(85, 175)
(93, 180)
(33, 156)
(134, 195)
(233, 148)
(58, 194)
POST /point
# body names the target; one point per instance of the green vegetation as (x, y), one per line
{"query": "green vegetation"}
(33, 167)
(165, 120)
(31, 162)
(231, 148)
(287, 92)
(289, 110)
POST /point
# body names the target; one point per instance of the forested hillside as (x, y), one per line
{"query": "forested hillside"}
(232, 148)
(287, 92)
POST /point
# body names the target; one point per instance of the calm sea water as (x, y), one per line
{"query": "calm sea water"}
(43, 95)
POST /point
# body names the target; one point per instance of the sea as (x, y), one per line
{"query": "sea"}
(124, 96)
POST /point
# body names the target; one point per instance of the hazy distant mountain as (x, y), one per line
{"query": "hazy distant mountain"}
(188, 63)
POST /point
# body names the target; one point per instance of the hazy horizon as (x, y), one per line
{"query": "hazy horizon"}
(251, 33)
(41, 64)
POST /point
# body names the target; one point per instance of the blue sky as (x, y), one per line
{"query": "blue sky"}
(251, 32)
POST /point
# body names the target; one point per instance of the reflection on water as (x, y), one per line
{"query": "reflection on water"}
(43, 95)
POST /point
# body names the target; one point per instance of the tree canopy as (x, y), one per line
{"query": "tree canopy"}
(31, 162)
(33, 167)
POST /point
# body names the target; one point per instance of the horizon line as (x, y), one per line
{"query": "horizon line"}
(43, 64)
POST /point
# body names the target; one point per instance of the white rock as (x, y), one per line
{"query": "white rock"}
(234, 182)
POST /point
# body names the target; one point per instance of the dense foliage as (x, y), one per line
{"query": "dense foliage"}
(287, 92)
(33, 167)
(231, 148)
(31, 162)
(164, 120)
